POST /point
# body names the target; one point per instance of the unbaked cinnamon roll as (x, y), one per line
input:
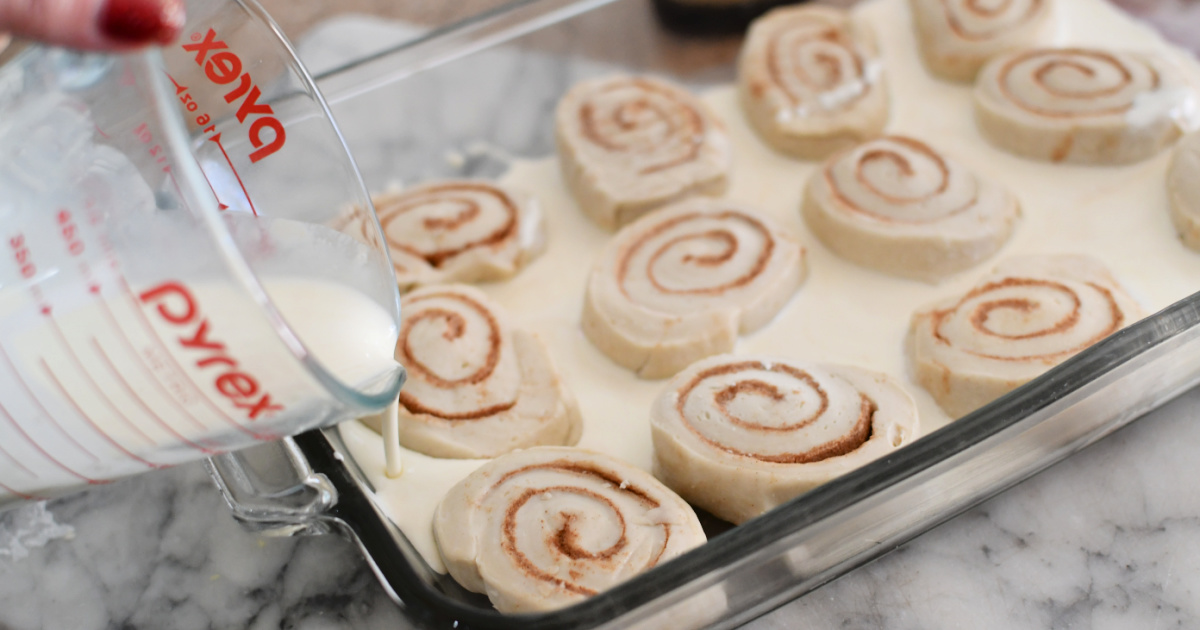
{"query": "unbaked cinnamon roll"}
(460, 231)
(476, 386)
(1083, 105)
(956, 37)
(628, 145)
(811, 82)
(738, 436)
(1183, 188)
(545, 527)
(682, 283)
(899, 206)
(1031, 314)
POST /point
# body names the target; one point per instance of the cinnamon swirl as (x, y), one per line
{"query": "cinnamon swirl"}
(545, 527)
(1031, 314)
(476, 386)
(460, 231)
(680, 284)
(811, 82)
(957, 37)
(1083, 105)
(628, 145)
(899, 206)
(738, 436)
(1183, 188)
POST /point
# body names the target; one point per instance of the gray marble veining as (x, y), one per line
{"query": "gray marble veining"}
(161, 551)
(1107, 539)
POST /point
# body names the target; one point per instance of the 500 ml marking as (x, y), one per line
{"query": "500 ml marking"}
(21, 254)
(70, 232)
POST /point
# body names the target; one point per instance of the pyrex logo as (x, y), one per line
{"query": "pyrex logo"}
(177, 306)
(224, 67)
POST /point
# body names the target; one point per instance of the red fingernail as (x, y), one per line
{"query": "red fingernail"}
(142, 21)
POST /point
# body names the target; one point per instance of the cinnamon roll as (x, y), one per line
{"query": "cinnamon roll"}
(811, 82)
(956, 37)
(628, 145)
(738, 436)
(680, 284)
(476, 386)
(460, 231)
(545, 527)
(1183, 188)
(1031, 314)
(899, 206)
(1083, 105)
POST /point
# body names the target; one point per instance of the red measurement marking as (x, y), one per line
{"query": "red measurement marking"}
(36, 446)
(21, 254)
(27, 497)
(142, 132)
(79, 410)
(153, 377)
(142, 403)
(217, 139)
(23, 467)
(179, 89)
(95, 217)
(201, 120)
(86, 269)
(94, 289)
(69, 232)
(190, 104)
(62, 338)
(18, 463)
(137, 307)
(220, 206)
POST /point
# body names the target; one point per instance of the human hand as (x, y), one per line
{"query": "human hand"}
(103, 25)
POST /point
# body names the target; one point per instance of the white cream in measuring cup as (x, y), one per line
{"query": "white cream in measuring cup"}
(175, 289)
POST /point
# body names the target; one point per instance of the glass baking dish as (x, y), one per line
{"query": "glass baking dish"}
(308, 485)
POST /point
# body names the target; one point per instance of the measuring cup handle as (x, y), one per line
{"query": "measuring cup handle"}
(271, 489)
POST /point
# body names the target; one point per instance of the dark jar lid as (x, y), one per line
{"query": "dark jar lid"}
(701, 18)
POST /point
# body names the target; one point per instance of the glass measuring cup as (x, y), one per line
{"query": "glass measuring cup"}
(189, 262)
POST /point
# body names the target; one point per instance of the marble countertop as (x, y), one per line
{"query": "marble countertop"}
(1109, 538)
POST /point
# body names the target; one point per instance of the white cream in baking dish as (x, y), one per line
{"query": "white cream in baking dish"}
(843, 313)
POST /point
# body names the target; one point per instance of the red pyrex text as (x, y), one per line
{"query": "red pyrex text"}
(21, 254)
(176, 305)
(225, 67)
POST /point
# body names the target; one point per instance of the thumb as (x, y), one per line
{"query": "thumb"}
(106, 25)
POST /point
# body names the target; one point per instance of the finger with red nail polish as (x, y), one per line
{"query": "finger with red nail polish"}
(105, 25)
